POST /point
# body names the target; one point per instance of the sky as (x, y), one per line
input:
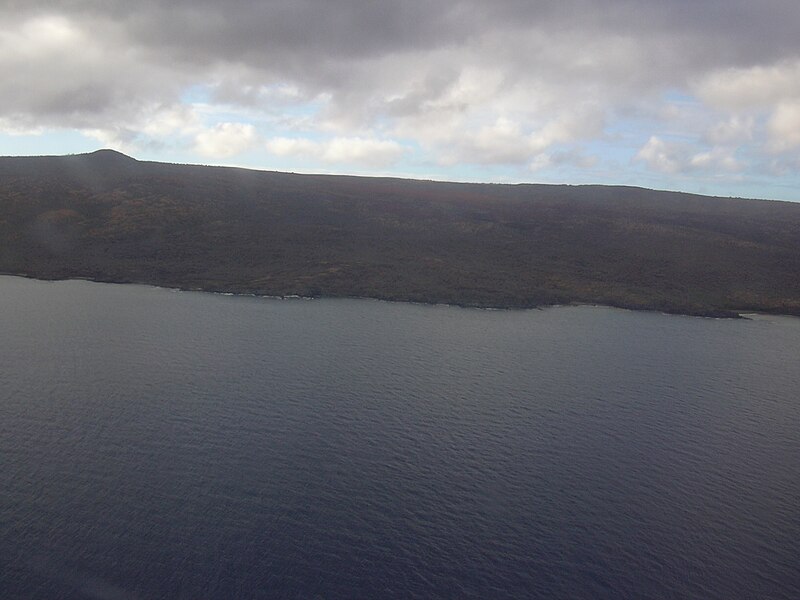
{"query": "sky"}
(691, 95)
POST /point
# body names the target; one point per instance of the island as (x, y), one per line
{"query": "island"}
(107, 217)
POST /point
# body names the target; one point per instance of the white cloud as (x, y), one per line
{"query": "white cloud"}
(784, 127)
(117, 138)
(43, 36)
(735, 130)
(570, 125)
(520, 84)
(294, 147)
(574, 158)
(339, 150)
(162, 121)
(225, 140)
(715, 160)
(152, 127)
(363, 151)
(760, 86)
(506, 140)
(501, 142)
(58, 70)
(540, 162)
(681, 159)
(661, 156)
(19, 127)
(765, 104)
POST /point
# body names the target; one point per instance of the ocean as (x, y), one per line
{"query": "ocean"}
(164, 444)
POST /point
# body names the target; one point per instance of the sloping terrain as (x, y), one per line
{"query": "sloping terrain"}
(108, 217)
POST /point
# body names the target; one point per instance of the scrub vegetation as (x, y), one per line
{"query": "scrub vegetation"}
(107, 217)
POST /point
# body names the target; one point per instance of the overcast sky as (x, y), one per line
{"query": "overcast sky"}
(694, 95)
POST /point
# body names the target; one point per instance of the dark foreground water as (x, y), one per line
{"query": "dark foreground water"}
(156, 444)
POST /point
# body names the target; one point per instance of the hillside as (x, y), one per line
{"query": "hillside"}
(108, 217)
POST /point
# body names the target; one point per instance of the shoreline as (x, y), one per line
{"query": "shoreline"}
(465, 245)
(710, 313)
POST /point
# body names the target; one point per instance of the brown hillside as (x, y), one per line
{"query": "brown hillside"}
(108, 217)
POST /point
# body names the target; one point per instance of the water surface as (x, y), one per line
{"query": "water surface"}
(157, 444)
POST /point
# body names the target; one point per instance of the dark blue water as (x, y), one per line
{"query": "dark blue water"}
(157, 444)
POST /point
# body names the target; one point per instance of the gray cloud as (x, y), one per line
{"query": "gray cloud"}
(316, 40)
(440, 72)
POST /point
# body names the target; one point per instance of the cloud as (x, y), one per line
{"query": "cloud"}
(168, 120)
(225, 140)
(340, 47)
(681, 159)
(501, 142)
(14, 128)
(734, 130)
(57, 70)
(752, 87)
(716, 160)
(784, 127)
(662, 156)
(573, 157)
(294, 147)
(464, 136)
(340, 150)
(764, 101)
(452, 82)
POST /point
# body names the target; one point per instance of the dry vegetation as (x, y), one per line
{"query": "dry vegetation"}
(108, 217)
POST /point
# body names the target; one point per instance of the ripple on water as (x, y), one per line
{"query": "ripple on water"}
(201, 446)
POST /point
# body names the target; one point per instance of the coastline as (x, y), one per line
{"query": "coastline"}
(476, 245)
(707, 313)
